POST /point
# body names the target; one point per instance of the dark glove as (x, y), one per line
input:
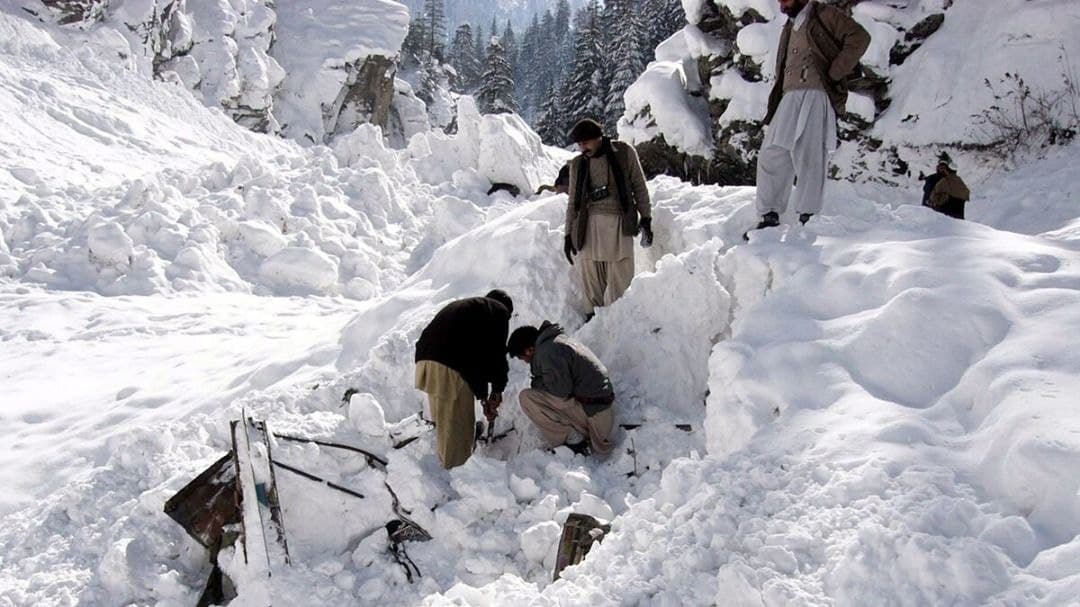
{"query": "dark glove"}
(646, 232)
(568, 249)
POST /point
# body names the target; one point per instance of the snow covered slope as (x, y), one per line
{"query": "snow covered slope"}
(874, 409)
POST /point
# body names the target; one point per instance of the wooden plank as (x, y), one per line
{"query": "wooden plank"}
(264, 540)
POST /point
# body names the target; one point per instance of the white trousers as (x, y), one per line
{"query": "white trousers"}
(796, 145)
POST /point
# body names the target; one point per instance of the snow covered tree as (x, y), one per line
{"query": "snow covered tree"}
(549, 118)
(510, 46)
(435, 29)
(496, 94)
(627, 56)
(562, 19)
(412, 49)
(665, 17)
(529, 72)
(586, 87)
(481, 46)
(463, 59)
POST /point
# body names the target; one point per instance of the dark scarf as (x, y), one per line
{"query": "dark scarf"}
(584, 177)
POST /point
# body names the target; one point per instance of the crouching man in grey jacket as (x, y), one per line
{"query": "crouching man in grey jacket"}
(570, 388)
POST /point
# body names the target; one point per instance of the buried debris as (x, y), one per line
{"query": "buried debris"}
(207, 504)
(579, 534)
(236, 499)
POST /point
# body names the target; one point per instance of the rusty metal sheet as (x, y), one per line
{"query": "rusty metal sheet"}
(207, 504)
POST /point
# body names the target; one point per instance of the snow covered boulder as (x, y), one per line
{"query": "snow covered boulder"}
(299, 271)
(510, 152)
(339, 57)
(500, 147)
(366, 415)
(260, 238)
(109, 244)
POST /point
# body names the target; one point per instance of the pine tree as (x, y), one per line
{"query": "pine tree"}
(463, 60)
(562, 20)
(412, 49)
(665, 17)
(434, 29)
(481, 46)
(586, 88)
(496, 94)
(628, 57)
(510, 46)
(549, 118)
(527, 75)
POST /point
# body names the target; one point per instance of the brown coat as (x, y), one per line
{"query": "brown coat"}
(949, 187)
(837, 42)
(635, 208)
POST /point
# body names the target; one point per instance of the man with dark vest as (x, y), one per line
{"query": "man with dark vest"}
(820, 47)
(608, 205)
(570, 391)
(458, 355)
(950, 193)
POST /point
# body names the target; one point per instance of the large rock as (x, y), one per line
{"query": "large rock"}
(366, 97)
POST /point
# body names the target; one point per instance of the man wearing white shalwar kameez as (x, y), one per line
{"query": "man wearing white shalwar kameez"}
(820, 46)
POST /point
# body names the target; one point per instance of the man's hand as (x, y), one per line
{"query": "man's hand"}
(570, 251)
(646, 232)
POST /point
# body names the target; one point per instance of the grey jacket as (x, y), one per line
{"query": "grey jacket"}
(566, 368)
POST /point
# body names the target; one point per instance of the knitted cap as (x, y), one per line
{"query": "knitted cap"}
(585, 130)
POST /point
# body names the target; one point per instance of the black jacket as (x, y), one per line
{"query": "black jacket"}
(928, 187)
(469, 336)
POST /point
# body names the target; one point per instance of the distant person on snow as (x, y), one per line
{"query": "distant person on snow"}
(929, 181)
(820, 46)
(950, 193)
(608, 206)
(460, 352)
(570, 392)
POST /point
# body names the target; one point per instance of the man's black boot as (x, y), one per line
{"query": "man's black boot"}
(768, 220)
(805, 217)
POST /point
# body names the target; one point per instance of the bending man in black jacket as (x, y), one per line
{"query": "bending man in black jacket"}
(460, 352)
(570, 390)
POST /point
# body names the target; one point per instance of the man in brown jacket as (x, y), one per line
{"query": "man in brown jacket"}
(608, 206)
(950, 193)
(820, 47)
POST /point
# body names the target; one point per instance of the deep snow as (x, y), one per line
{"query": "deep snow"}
(880, 404)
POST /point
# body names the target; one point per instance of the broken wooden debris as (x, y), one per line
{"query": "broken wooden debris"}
(264, 538)
(579, 534)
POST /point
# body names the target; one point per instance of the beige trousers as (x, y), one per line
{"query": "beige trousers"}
(557, 417)
(452, 408)
(604, 281)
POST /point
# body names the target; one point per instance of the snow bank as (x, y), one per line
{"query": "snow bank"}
(73, 121)
(941, 86)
